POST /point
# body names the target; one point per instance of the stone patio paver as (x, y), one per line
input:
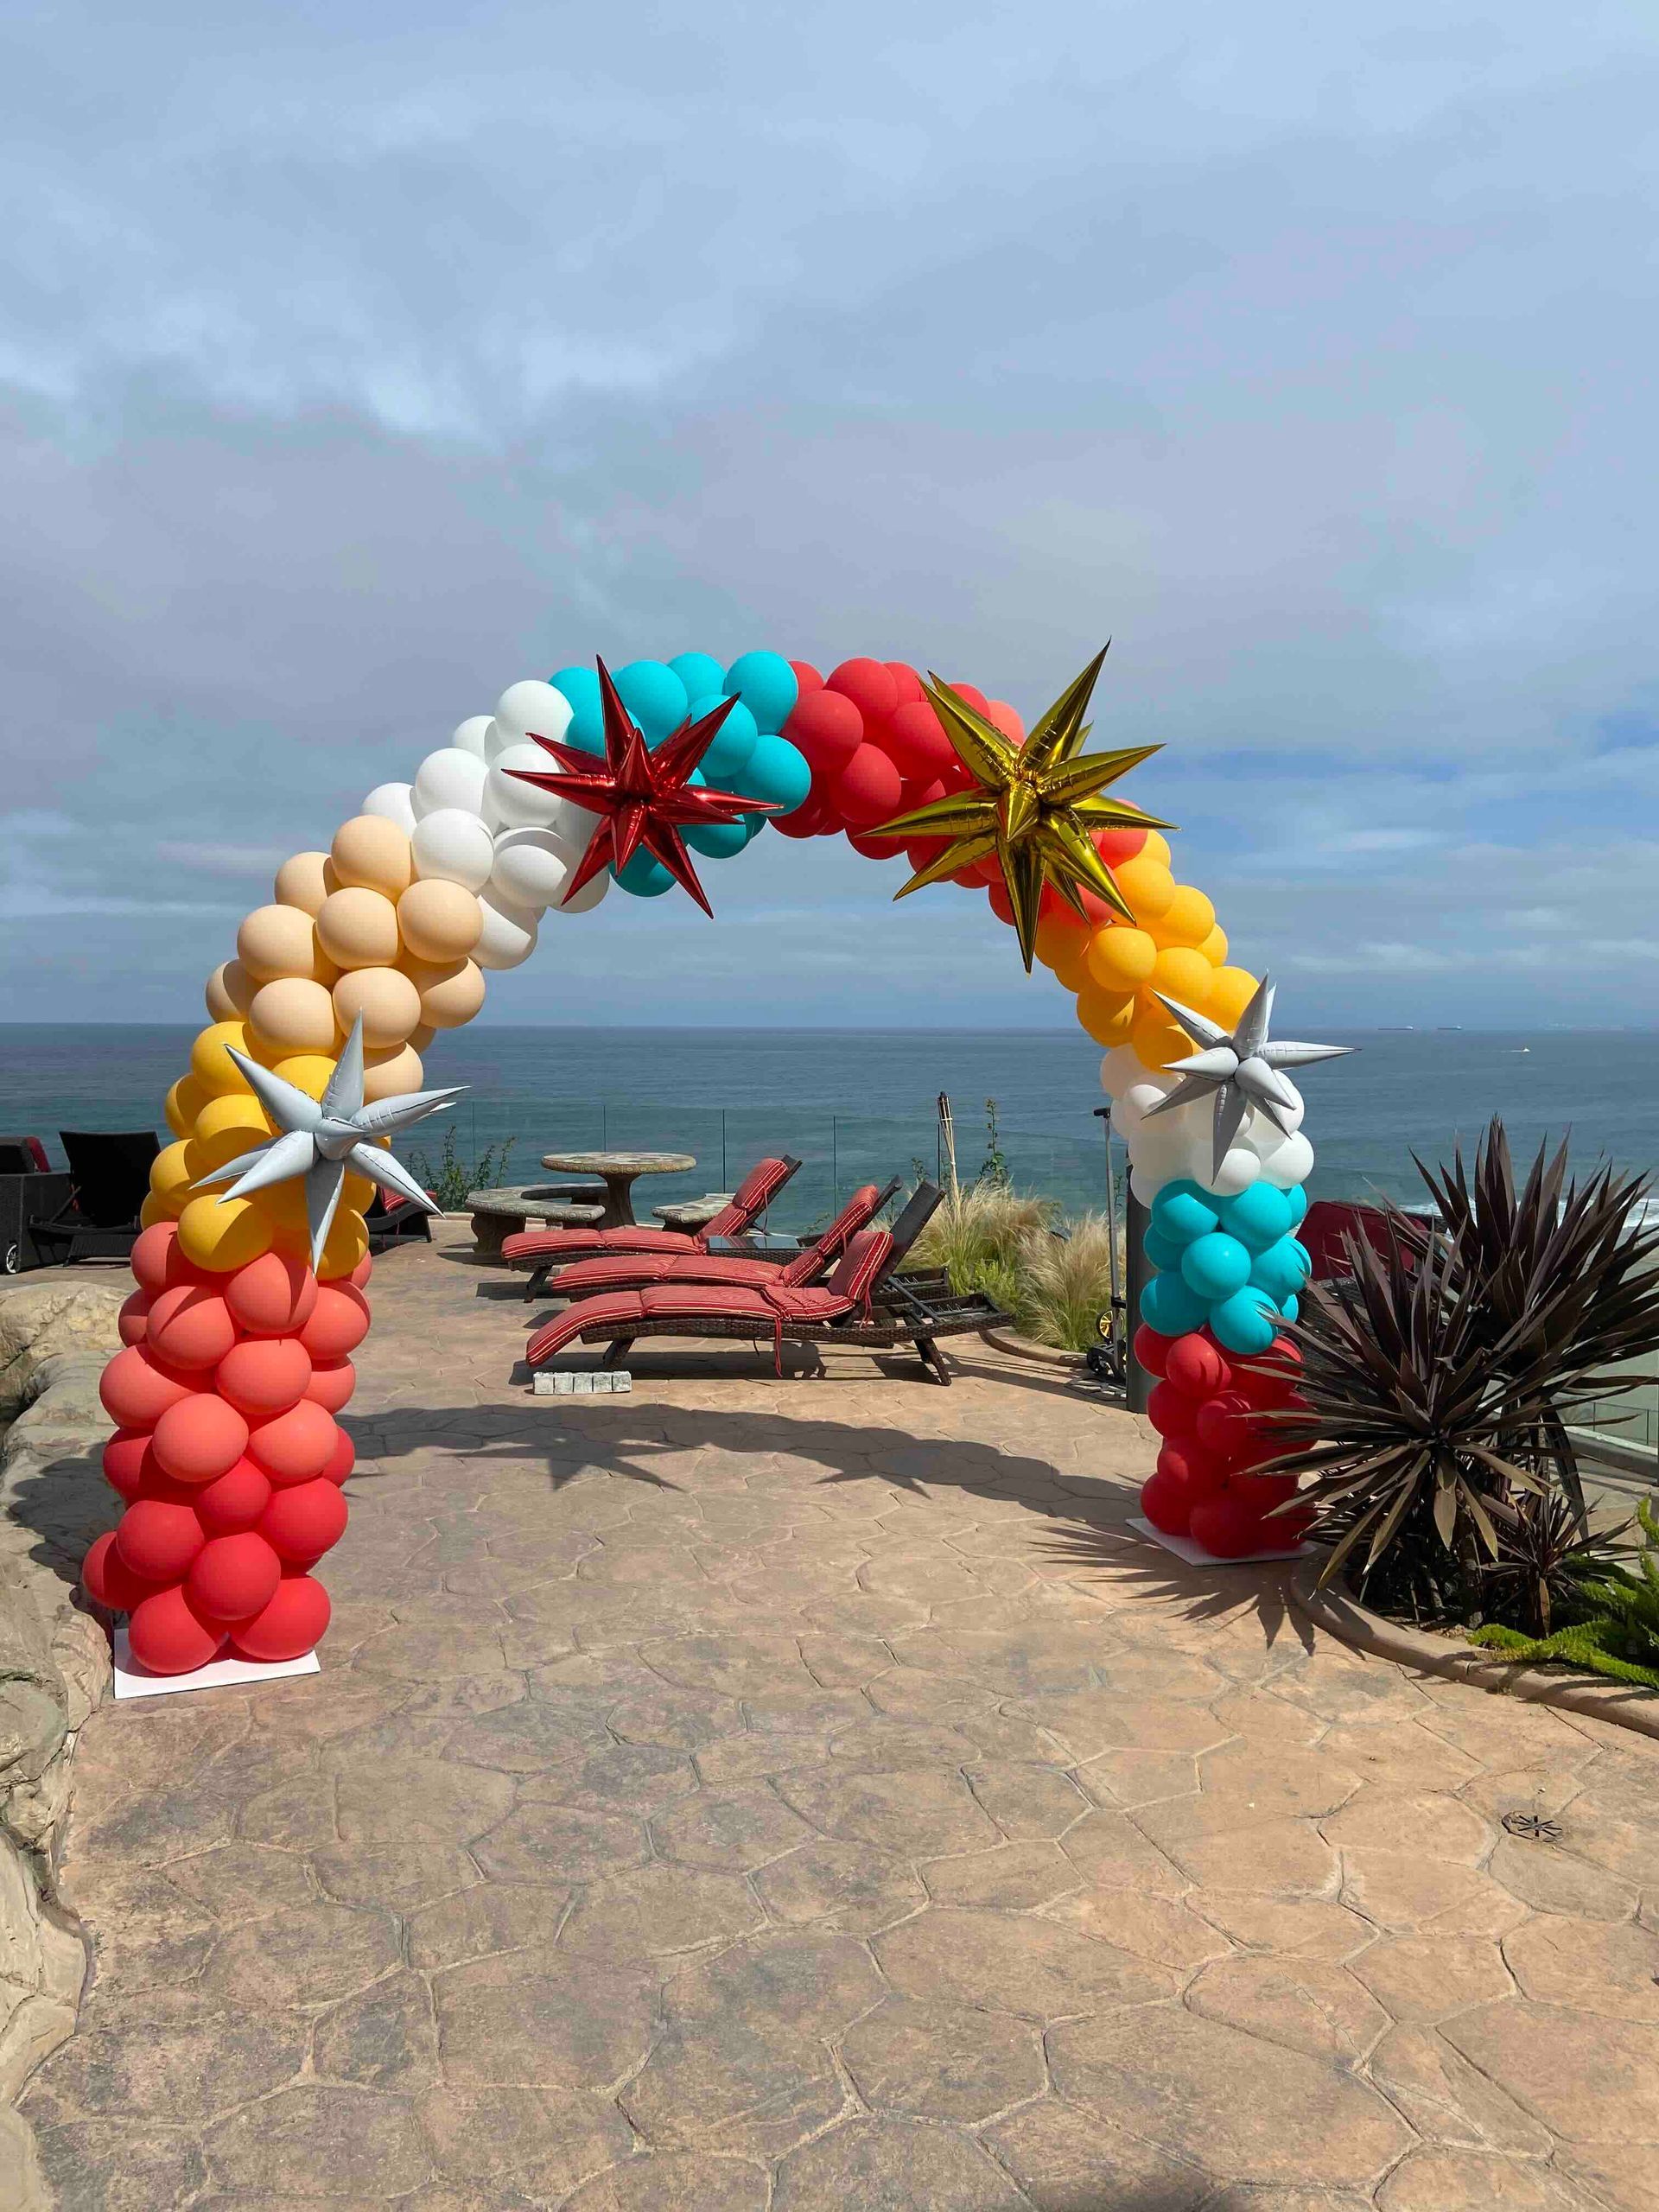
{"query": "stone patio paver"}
(759, 1795)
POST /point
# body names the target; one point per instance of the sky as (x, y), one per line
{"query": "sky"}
(356, 361)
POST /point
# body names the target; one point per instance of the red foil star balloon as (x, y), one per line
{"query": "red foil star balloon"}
(642, 798)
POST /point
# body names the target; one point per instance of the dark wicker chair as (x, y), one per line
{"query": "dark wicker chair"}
(110, 1181)
(399, 1222)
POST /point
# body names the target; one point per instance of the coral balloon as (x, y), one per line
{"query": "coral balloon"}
(131, 1323)
(158, 1541)
(129, 1463)
(295, 1446)
(263, 1376)
(136, 1391)
(370, 854)
(358, 927)
(234, 1577)
(915, 741)
(198, 1439)
(190, 1326)
(155, 1261)
(867, 789)
(234, 1501)
(302, 1523)
(439, 920)
(332, 1384)
(338, 1325)
(341, 1460)
(166, 1637)
(109, 1581)
(290, 1625)
(275, 1295)
(871, 686)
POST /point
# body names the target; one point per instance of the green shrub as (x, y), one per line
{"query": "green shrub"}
(989, 1237)
(1615, 1632)
(450, 1177)
(1063, 1284)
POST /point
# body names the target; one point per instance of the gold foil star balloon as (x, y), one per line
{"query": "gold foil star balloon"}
(1035, 805)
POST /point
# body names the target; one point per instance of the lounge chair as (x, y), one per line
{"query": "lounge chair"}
(110, 1181)
(642, 1270)
(864, 1307)
(395, 1220)
(541, 1250)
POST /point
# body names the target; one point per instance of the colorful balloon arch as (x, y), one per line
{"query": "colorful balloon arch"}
(251, 1298)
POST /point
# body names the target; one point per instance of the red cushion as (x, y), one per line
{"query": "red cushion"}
(588, 1277)
(818, 1258)
(577, 1243)
(861, 1264)
(750, 1199)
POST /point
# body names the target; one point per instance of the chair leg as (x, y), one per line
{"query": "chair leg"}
(616, 1351)
(537, 1284)
(935, 1366)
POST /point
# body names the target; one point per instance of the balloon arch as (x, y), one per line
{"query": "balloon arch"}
(253, 1266)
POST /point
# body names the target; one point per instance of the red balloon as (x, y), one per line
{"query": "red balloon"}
(266, 1375)
(1226, 1527)
(908, 681)
(915, 741)
(1223, 1424)
(828, 728)
(200, 1438)
(1262, 1492)
(290, 1625)
(294, 1446)
(190, 1326)
(1196, 1366)
(867, 790)
(1171, 1411)
(339, 1324)
(129, 1462)
(1201, 1473)
(876, 849)
(234, 1578)
(302, 1523)
(1001, 715)
(974, 695)
(1150, 1349)
(332, 1384)
(272, 1296)
(158, 1541)
(153, 1255)
(1115, 846)
(1164, 1503)
(137, 1389)
(807, 820)
(109, 1580)
(807, 676)
(234, 1501)
(165, 1635)
(341, 1459)
(871, 686)
(131, 1322)
(1001, 905)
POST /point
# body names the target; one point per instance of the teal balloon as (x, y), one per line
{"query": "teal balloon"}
(644, 875)
(721, 841)
(766, 684)
(1282, 1269)
(701, 673)
(654, 695)
(776, 770)
(728, 755)
(1291, 1307)
(1298, 1198)
(1180, 1214)
(754, 824)
(581, 687)
(1216, 1266)
(1170, 1307)
(1258, 1217)
(1162, 1252)
(1247, 1322)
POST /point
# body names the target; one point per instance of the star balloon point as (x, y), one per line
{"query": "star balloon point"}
(1241, 1067)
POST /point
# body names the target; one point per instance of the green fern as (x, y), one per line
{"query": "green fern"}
(1619, 1633)
(1585, 1644)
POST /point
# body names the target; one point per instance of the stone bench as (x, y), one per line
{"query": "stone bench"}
(497, 1215)
(689, 1215)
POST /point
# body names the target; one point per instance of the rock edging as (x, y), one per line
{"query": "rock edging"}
(55, 1669)
(1340, 1614)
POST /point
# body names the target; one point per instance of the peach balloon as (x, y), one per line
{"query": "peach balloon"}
(385, 998)
(371, 854)
(421, 1037)
(277, 941)
(293, 1014)
(387, 1075)
(451, 994)
(358, 927)
(439, 920)
(300, 881)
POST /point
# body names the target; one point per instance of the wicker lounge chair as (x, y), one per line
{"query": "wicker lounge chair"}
(641, 1270)
(864, 1307)
(110, 1177)
(541, 1250)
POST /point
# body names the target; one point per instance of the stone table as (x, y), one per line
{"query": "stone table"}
(499, 1214)
(618, 1171)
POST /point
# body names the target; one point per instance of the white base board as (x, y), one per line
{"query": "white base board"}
(1195, 1554)
(134, 1680)
(579, 1382)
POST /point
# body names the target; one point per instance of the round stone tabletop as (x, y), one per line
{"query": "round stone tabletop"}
(621, 1163)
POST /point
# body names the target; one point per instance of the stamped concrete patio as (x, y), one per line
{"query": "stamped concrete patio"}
(810, 1794)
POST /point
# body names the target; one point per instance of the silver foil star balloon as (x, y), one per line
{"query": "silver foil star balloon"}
(1241, 1069)
(320, 1139)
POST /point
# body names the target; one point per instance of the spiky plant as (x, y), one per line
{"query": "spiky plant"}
(1545, 1555)
(1615, 1630)
(976, 1229)
(1063, 1284)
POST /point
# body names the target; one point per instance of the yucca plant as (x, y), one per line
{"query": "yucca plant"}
(1437, 1382)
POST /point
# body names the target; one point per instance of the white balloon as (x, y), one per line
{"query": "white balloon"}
(470, 735)
(496, 740)
(510, 805)
(1292, 1163)
(532, 868)
(1120, 1067)
(450, 778)
(530, 708)
(391, 802)
(509, 934)
(1145, 1183)
(1237, 1173)
(453, 844)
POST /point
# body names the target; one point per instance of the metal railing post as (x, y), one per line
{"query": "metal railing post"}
(723, 1177)
(1138, 1383)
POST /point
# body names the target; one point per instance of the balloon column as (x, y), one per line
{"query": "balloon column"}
(250, 1301)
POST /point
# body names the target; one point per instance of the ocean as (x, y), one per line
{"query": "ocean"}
(857, 1105)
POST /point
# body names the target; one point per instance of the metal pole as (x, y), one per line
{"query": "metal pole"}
(1139, 1382)
(722, 1149)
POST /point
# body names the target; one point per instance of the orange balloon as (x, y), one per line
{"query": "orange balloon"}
(1188, 918)
(1156, 1038)
(1182, 974)
(1148, 887)
(1120, 957)
(1231, 990)
(1214, 947)
(1109, 1016)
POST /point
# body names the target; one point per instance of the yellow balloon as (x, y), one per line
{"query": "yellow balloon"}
(170, 1172)
(154, 1209)
(1231, 990)
(357, 1192)
(300, 881)
(223, 1235)
(1148, 887)
(237, 1109)
(184, 1103)
(308, 1071)
(1182, 974)
(210, 1062)
(1188, 918)
(1214, 947)
(1109, 1016)
(1119, 957)
(1156, 1038)
(347, 1244)
(1156, 847)
(206, 1154)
